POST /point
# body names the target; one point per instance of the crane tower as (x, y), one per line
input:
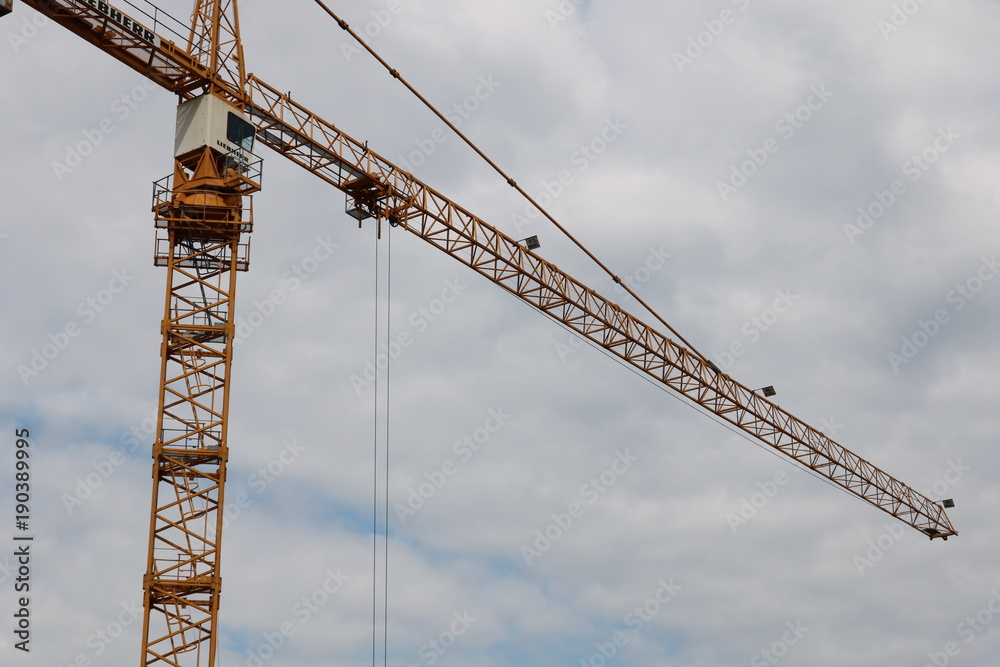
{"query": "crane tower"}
(203, 219)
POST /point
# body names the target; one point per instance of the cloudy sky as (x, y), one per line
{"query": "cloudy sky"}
(807, 191)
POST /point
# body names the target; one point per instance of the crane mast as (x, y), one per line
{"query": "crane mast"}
(203, 216)
(215, 40)
(202, 219)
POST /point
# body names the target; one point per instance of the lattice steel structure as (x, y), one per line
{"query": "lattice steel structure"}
(203, 217)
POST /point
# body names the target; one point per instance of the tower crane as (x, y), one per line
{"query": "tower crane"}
(203, 218)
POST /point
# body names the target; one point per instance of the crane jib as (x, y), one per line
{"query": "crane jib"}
(321, 148)
(125, 21)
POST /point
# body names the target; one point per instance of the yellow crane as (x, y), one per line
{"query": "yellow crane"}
(203, 217)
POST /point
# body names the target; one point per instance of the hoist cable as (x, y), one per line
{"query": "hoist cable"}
(375, 415)
(383, 326)
(510, 181)
(388, 385)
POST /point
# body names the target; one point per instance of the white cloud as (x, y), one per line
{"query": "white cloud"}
(795, 561)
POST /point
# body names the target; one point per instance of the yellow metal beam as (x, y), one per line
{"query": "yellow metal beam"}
(202, 219)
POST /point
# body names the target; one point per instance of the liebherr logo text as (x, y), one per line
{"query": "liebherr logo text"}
(125, 21)
(237, 155)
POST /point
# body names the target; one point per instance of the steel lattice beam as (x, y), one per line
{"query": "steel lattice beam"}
(202, 226)
(320, 147)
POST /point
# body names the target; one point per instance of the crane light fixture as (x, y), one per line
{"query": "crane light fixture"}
(531, 243)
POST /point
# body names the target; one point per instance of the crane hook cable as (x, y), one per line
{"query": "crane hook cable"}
(510, 181)
(382, 324)
(385, 505)
(375, 416)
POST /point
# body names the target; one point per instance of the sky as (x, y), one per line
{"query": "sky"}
(808, 192)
